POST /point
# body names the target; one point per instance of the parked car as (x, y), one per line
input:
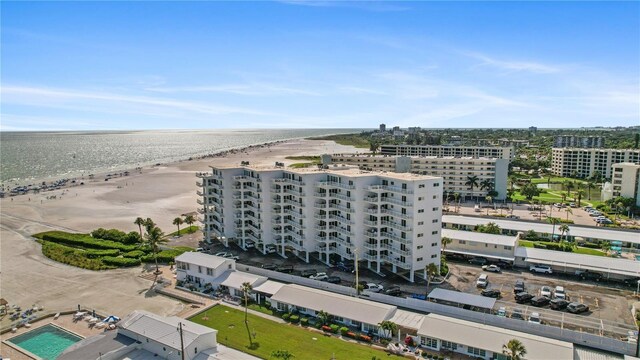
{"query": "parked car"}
(491, 268)
(231, 256)
(519, 286)
(456, 257)
(285, 269)
(558, 304)
(345, 267)
(483, 281)
(199, 250)
(478, 261)
(589, 275)
(517, 313)
(633, 282)
(577, 308)
(321, 276)
(221, 253)
(333, 279)
(393, 291)
(511, 216)
(250, 244)
(534, 318)
(373, 287)
(504, 265)
(523, 297)
(491, 293)
(502, 311)
(559, 293)
(540, 301)
(545, 291)
(541, 269)
(308, 272)
(269, 266)
(270, 249)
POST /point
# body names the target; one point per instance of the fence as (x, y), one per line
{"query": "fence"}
(558, 333)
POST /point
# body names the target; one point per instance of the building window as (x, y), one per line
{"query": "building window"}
(434, 221)
(435, 209)
(420, 247)
(420, 223)
(449, 345)
(476, 352)
(434, 256)
(462, 242)
(420, 198)
(209, 272)
(419, 259)
(421, 186)
(420, 211)
(420, 235)
(434, 244)
(429, 342)
(508, 247)
(436, 184)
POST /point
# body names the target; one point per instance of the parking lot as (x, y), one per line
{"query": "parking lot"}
(610, 307)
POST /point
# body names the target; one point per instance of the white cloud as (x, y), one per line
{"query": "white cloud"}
(526, 66)
(253, 89)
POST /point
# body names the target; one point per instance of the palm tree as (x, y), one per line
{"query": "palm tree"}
(569, 185)
(512, 181)
(246, 288)
(373, 147)
(605, 246)
(282, 354)
(486, 184)
(149, 224)
(568, 211)
(139, 221)
(389, 327)
(489, 200)
(514, 349)
(580, 194)
(590, 185)
(564, 230)
(472, 182)
(553, 221)
(189, 220)
(432, 271)
(155, 237)
(178, 221)
(445, 241)
(323, 317)
(456, 198)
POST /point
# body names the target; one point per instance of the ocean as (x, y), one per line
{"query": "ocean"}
(26, 156)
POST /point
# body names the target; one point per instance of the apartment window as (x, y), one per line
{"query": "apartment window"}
(420, 198)
(209, 272)
(420, 235)
(476, 352)
(462, 242)
(434, 232)
(420, 211)
(436, 184)
(435, 196)
(429, 342)
(421, 186)
(434, 221)
(200, 269)
(419, 259)
(434, 244)
(435, 209)
(420, 223)
(449, 345)
(508, 247)
(434, 256)
(420, 247)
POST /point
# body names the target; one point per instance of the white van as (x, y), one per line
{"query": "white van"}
(483, 281)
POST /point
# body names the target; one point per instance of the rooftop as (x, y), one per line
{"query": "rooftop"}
(479, 237)
(580, 261)
(392, 157)
(492, 338)
(202, 259)
(235, 279)
(462, 298)
(344, 170)
(335, 304)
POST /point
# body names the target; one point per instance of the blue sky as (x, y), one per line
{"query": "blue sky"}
(195, 65)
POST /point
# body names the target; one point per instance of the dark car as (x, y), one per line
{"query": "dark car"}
(590, 276)
(308, 272)
(334, 280)
(478, 261)
(517, 314)
(540, 301)
(345, 267)
(505, 265)
(633, 282)
(270, 266)
(558, 304)
(577, 308)
(519, 286)
(491, 293)
(393, 291)
(456, 257)
(523, 297)
(285, 269)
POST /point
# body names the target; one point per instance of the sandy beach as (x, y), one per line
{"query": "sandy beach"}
(160, 192)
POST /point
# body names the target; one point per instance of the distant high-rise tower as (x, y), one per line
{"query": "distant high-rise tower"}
(585, 142)
(383, 127)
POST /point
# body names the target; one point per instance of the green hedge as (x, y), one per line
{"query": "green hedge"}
(294, 319)
(286, 316)
(344, 330)
(83, 241)
(305, 321)
(93, 253)
(135, 254)
(116, 235)
(591, 245)
(71, 256)
(164, 256)
(120, 261)
(334, 328)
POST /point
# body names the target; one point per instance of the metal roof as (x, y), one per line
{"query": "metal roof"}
(462, 298)
(492, 338)
(407, 319)
(524, 226)
(473, 253)
(584, 353)
(335, 304)
(202, 259)
(479, 237)
(269, 287)
(235, 279)
(162, 329)
(580, 261)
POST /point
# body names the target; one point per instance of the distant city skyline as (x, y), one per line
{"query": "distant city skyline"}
(319, 64)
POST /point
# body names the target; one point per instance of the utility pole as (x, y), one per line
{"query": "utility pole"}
(355, 253)
(181, 340)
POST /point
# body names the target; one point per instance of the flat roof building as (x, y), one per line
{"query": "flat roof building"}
(448, 150)
(584, 163)
(625, 179)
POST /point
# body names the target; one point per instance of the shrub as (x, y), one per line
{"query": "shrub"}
(344, 330)
(304, 321)
(116, 235)
(334, 328)
(365, 338)
(539, 246)
(164, 256)
(294, 319)
(82, 241)
(71, 256)
(286, 316)
(384, 342)
(93, 253)
(591, 245)
(134, 254)
(120, 261)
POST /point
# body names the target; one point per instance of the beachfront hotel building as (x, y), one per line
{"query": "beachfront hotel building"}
(505, 152)
(339, 213)
(453, 171)
(582, 162)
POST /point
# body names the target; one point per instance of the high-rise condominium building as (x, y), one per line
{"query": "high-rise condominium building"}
(448, 151)
(383, 127)
(586, 142)
(585, 162)
(342, 213)
(456, 173)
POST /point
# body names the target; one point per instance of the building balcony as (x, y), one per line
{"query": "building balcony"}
(340, 240)
(396, 250)
(200, 193)
(295, 245)
(396, 225)
(320, 216)
(396, 214)
(341, 208)
(294, 224)
(345, 255)
(342, 219)
(276, 220)
(374, 211)
(341, 197)
(198, 184)
(294, 193)
(200, 210)
(396, 262)
(320, 205)
(335, 184)
(393, 237)
(323, 249)
(294, 203)
(371, 223)
(396, 201)
(321, 194)
(294, 213)
(200, 202)
(370, 257)
(371, 199)
(371, 246)
(203, 175)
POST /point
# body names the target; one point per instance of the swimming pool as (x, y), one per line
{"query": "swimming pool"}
(47, 342)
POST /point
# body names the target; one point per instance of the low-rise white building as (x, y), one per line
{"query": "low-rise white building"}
(498, 247)
(626, 181)
(200, 268)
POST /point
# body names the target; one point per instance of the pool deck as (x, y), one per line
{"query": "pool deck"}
(66, 322)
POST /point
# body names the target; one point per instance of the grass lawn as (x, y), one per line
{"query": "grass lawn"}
(188, 230)
(301, 165)
(346, 139)
(260, 308)
(578, 250)
(272, 336)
